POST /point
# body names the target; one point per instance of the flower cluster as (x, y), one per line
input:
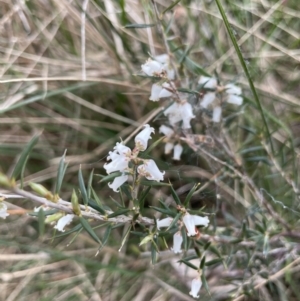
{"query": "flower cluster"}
(122, 159)
(233, 95)
(169, 146)
(190, 222)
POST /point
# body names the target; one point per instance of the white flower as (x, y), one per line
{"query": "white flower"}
(152, 68)
(208, 82)
(150, 170)
(141, 139)
(117, 182)
(200, 221)
(217, 114)
(180, 112)
(208, 98)
(165, 222)
(166, 130)
(168, 147)
(191, 221)
(158, 91)
(234, 93)
(177, 152)
(64, 221)
(3, 210)
(118, 163)
(177, 241)
(119, 158)
(164, 60)
(196, 286)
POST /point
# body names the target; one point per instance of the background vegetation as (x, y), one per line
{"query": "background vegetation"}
(69, 71)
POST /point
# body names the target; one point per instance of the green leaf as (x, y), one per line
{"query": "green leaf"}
(202, 263)
(96, 198)
(146, 239)
(175, 220)
(169, 7)
(188, 264)
(247, 73)
(213, 261)
(85, 224)
(62, 167)
(175, 195)
(153, 183)
(118, 212)
(190, 194)
(82, 188)
(23, 157)
(107, 234)
(90, 183)
(204, 282)
(135, 25)
(164, 211)
(143, 197)
(41, 215)
(96, 206)
(110, 177)
(154, 251)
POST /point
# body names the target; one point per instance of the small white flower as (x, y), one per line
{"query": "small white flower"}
(120, 158)
(217, 111)
(117, 182)
(3, 210)
(208, 82)
(118, 163)
(141, 139)
(64, 221)
(152, 68)
(168, 147)
(158, 91)
(189, 224)
(164, 223)
(150, 170)
(164, 60)
(180, 112)
(191, 221)
(200, 221)
(177, 152)
(177, 242)
(208, 98)
(166, 130)
(196, 286)
(234, 93)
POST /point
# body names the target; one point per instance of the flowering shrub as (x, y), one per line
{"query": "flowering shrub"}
(169, 180)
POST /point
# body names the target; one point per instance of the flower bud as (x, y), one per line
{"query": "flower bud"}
(42, 191)
(75, 205)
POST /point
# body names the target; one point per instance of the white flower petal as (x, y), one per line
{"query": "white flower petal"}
(235, 99)
(208, 82)
(177, 152)
(208, 98)
(189, 224)
(155, 91)
(165, 222)
(166, 130)
(64, 221)
(162, 58)
(3, 210)
(168, 147)
(217, 114)
(173, 113)
(141, 139)
(120, 163)
(177, 242)
(233, 89)
(186, 115)
(200, 221)
(196, 286)
(117, 182)
(164, 92)
(151, 67)
(150, 170)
